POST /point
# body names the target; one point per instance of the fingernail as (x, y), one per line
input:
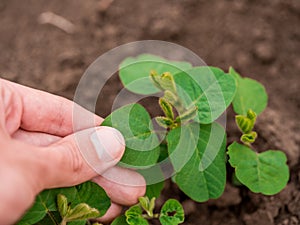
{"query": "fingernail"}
(108, 143)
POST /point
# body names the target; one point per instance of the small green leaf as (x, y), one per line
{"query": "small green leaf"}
(251, 115)
(81, 211)
(244, 123)
(265, 173)
(188, 115)
(167, 108)
(167, 82)
(93, 195)
(250, 94)
(197, 153)
(121, 220)
(208, 88)
(142, 144)
(144, 202)
(134, 216)
(171, 213)
(152, 205)
(134, 72)
(249, 138)
(155, 78)
(147, 205)
(164, 121)
(62, 204)
(171, 98)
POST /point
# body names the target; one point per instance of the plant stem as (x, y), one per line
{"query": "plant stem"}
(52, 218)
(155, 216)
(63, 222)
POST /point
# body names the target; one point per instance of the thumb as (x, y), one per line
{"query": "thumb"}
(83, 155)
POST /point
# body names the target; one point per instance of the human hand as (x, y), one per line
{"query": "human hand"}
(39, 150)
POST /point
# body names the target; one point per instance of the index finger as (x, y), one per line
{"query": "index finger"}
(48, 113)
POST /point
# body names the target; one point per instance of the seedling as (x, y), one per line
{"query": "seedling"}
(192, 99)
(171, 213)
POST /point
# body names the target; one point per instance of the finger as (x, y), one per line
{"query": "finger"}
(122, 185)
(82, 156)
(35, 138)
(113, 211)
(44, 112)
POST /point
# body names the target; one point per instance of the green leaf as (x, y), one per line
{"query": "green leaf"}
(171, 98)
(134, 216)
(197, 153)
(207, 88)
(147, 205)
(152, 205)
(154, 190)
(244, 123)
(265, 173)
(250, 94)
(142, 144)
(144, 202)
(93, 195)
(166, 107)
(82, 211)
(171, 213)
(62, 204)
(164, 121)
(121, 220)
(46, 202)
(135, 72)
(165, 81)
(249, 138)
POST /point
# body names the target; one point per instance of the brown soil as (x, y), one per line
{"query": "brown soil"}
(261, 39)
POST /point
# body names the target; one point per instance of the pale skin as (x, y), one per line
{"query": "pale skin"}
(38, 151)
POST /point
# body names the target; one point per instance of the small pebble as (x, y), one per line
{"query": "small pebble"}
(265, 52)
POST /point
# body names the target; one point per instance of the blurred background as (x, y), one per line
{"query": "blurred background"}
(49, 44)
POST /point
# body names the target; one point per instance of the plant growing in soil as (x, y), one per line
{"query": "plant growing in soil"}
(187, 134)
